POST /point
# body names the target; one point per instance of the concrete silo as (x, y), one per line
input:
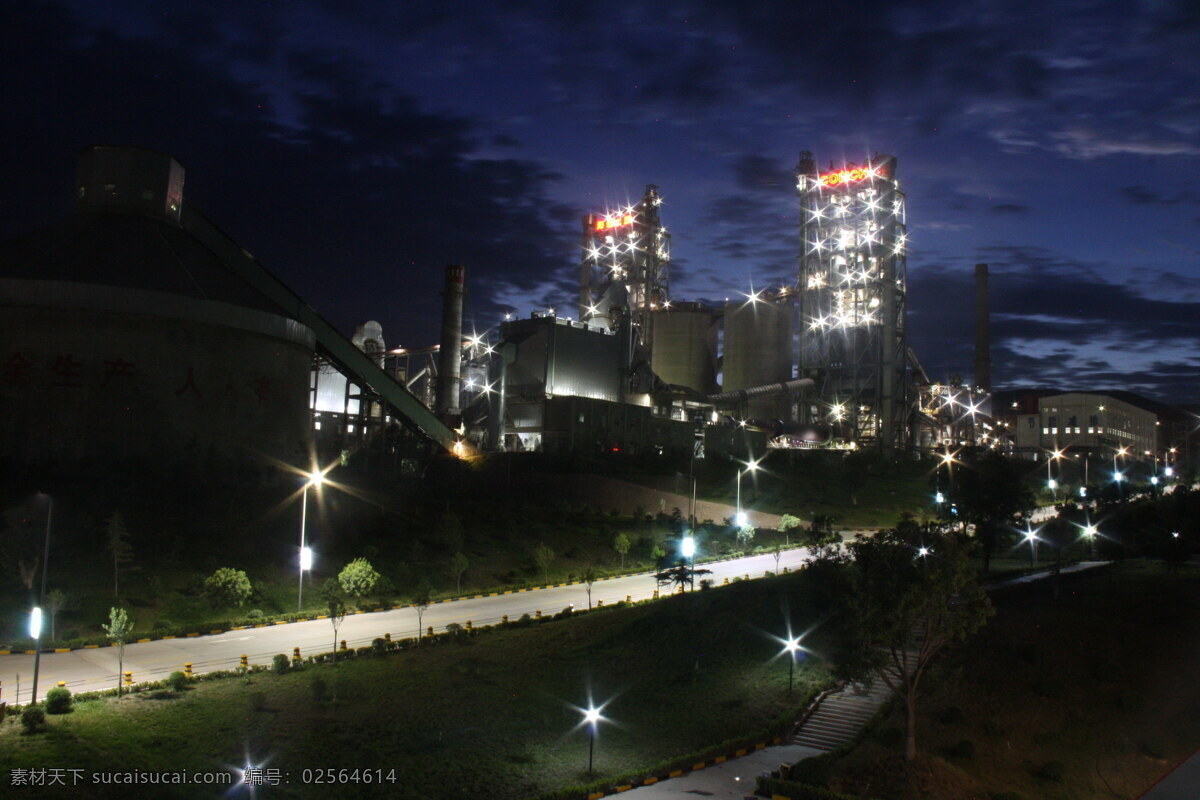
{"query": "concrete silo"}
(685, 346)
(758, 351)
(126, 339)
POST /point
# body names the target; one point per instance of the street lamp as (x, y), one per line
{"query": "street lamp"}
(316, 478)
(751, 466)
(591, 717)
(35, 618)
(791, 646)
(1031, 537)
(35, 633)
(689, 552)
(1090, 532)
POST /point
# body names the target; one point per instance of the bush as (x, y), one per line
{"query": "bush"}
(177, 681)
(964, 749)
(228, 587)
(320, 690)
(379, 645)
(952, 716)
(358, 578)
(280, 664)
(1051, 771)
(58, 700)
(33, 718)
(813, 771)
(255, 613)
(798, 791)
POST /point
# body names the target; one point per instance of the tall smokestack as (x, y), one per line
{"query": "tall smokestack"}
(450, 354)
(983, 337)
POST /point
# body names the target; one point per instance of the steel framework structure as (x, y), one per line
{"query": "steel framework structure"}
(852, 284)
(625, 265)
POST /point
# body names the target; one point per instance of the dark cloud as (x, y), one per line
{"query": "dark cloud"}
(364, 197)
(1144, 195)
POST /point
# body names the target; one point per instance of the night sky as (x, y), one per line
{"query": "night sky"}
(356, 148)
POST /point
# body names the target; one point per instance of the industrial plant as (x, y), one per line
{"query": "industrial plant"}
(136, 327)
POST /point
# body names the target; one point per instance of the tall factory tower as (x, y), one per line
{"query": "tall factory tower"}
(626, 254)
(852, 298)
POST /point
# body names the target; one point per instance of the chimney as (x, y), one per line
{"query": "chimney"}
(450, 354)
(983, 338)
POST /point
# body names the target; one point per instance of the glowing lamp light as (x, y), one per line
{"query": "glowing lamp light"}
(1169, 471)
(924, 551)
(591, 716)
(1053, 484)
(689, 547)
(306, 559)
(1083, 491)
(1154, 480)
(35, 623)
(792, 645)
(1118, 477)
(939, 497)
(741, 519)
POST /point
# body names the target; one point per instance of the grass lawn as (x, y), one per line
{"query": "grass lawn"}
(1101, 680)
(487, 716)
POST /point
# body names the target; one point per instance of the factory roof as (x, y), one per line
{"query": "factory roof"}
(127, 250)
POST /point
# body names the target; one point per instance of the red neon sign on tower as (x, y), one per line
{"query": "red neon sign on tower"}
(615, 221)
(847, 175)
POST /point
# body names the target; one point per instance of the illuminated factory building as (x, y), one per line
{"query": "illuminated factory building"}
(852, 291)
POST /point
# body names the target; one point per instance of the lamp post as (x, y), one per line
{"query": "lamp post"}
(689, 552)
(1090, 532)
(591, 717)
(316, 478)
(791, 646)
(1031, 537)
(751, 466)
(35, 618)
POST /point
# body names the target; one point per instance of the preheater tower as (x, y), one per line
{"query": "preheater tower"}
(852, 297)
(626, 254)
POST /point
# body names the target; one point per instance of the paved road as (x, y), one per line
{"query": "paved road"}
(86, 670)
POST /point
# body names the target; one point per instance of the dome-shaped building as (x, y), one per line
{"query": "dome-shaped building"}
(123, 338)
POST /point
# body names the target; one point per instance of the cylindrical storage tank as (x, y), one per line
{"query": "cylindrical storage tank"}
(685, 347)
(757, 351)
(127, 341)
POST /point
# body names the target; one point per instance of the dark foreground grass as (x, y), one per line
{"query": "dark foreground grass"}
(487, 716)
(1100, 681)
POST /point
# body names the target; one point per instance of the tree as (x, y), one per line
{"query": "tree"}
(358, 578)
(335, 606)
(899, 610)
(543, 557)
(745, 536)
(118, 629)
(820, 536)
(228, 587)
(22, 546)
(589, 577)
(422, 600)
(777, 553)
(786, 523)
(990, 492)
(458, 565)
(681, 574)
(657, 554)
(622, 544)
(56, 601)
(116, 539)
